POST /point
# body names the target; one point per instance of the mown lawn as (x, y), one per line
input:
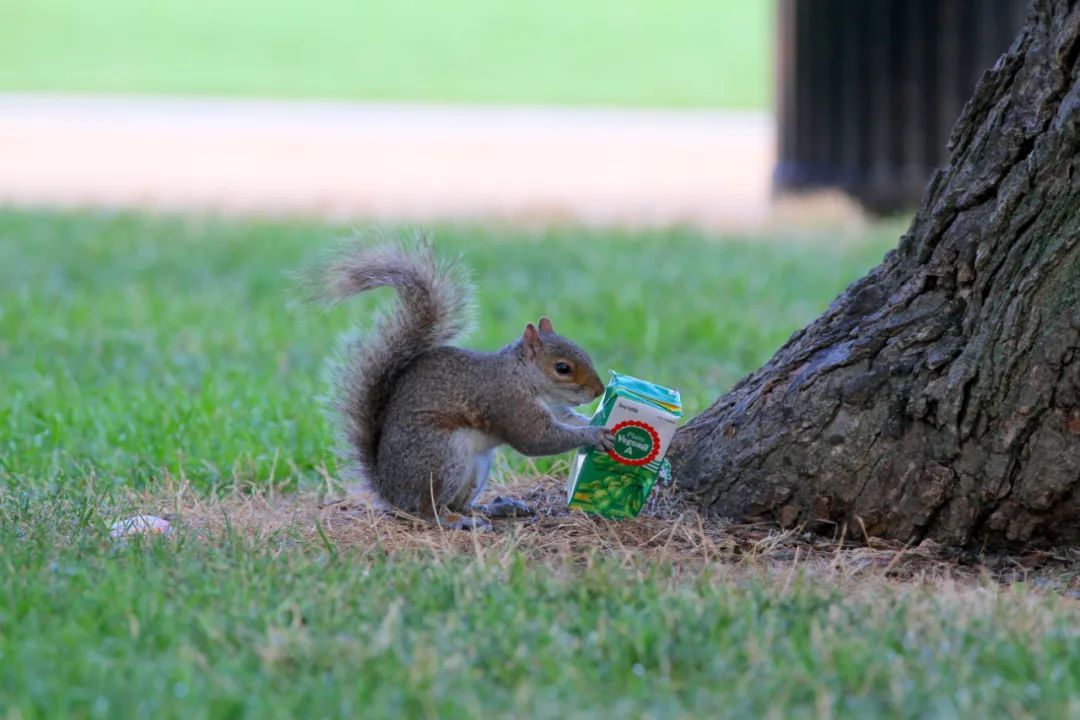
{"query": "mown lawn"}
(132, 344)
(234, 629)
(700, 53)
(135, 348)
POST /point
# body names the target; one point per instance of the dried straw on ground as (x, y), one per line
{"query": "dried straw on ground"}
(670, 530)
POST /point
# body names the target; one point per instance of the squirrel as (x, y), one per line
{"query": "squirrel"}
(421, 417)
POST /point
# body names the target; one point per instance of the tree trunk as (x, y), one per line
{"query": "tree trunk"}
(939, 396)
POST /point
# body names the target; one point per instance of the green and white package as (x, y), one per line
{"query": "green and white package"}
(643, 416)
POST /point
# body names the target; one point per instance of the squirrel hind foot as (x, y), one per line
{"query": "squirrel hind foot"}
(456, 521)
(504, 507)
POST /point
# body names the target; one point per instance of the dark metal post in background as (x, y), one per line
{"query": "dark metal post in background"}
(868, 90)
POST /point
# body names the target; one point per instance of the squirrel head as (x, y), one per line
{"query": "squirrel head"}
(563, 372)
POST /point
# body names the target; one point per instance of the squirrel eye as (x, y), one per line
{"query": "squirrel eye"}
(562, 368)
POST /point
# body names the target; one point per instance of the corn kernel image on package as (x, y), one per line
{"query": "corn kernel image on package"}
(616, 483)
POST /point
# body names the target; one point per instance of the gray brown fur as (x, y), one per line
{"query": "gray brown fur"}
(422, 417)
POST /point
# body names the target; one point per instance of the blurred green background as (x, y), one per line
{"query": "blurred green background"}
(683, 53)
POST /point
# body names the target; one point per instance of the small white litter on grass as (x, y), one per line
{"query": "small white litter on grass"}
(139, 525)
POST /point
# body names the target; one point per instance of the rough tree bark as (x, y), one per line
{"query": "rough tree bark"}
(939, 396)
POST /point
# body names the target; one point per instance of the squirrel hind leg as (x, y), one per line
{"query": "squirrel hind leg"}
(445, 500)
(479, 468)
(436, 475)
(474, 469)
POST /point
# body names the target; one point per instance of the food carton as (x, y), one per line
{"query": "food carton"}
(616, 483)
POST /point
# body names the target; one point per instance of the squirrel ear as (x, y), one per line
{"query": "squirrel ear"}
(530, 341)
(545, 325)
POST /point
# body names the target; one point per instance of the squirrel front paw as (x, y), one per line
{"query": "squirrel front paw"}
(601, 438)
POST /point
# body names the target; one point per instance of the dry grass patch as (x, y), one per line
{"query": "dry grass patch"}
(670, 530)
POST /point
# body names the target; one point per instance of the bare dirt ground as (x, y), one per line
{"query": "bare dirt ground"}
(622, 168)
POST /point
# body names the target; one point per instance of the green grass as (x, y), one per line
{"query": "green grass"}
(708, 53)
(132, 346)
(234, 629)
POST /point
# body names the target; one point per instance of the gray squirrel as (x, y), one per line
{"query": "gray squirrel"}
(420, 417)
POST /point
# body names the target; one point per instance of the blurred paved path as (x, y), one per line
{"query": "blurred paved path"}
(414, 163)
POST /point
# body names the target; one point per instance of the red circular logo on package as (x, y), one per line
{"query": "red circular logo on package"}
(636, 443)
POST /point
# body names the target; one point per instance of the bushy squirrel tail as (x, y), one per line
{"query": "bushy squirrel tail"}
(433, 309)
